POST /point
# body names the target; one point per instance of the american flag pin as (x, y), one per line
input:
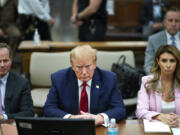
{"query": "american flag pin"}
(97, 86)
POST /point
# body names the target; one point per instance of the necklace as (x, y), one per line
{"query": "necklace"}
(168, 95)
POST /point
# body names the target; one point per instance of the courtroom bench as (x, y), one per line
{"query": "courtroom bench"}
(27, 47)
(124, 34)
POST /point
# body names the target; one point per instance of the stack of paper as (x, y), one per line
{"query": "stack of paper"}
(176, 131)
(155, 127)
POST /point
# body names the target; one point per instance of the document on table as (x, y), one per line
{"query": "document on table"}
(176, 131)
(155, 127)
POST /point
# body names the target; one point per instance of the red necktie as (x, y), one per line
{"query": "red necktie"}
(84, 99)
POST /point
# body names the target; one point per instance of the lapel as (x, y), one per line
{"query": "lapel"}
(163, 37)
(96, 87)
(73, 91)
(10, 85)
(158, 98)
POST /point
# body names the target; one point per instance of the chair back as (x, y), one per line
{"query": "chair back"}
(105, 59)
(43, 64)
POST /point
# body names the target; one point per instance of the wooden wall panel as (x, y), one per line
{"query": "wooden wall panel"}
(127, 13)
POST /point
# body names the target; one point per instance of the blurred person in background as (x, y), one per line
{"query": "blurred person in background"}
(152, 14)
(35, 14)
(9, 26)
(91, 19)
(170, 35)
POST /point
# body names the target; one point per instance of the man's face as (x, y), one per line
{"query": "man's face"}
(5, 62)
(84, 68)
(172, 22)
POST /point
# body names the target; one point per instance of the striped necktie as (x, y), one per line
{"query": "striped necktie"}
(173, 40)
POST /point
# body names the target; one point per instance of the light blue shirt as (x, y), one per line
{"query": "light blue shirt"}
(3, 92)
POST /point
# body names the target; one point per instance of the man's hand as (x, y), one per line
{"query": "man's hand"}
(1, 117)
(51, 22)
(157, 26)
(99, 119)
(74, 20)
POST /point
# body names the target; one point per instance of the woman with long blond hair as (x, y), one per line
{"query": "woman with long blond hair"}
(159, 95)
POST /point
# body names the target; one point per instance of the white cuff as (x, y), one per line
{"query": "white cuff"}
(106, 120)
(67, 116)
(5, 116)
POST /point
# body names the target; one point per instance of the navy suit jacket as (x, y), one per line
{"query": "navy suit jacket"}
(63, 95)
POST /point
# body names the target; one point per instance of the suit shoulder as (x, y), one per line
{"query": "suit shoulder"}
(157, 35)
(17, 77)
(147, 77)
(62, 73)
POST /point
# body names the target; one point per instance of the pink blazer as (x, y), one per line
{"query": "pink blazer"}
(149, 105)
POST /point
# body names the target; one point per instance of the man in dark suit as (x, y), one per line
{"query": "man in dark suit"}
(152, 14)
(65, 97)
(15, 98)
(172, 27)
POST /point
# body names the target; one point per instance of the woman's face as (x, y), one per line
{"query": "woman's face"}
(167, 63)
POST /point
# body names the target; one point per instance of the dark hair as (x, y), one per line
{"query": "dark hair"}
(173, 9)
(4, 45)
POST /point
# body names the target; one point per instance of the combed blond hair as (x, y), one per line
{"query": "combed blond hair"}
(83, 51)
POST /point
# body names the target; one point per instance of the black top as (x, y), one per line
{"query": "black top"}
(100, 14)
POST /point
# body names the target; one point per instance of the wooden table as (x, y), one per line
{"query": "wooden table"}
(128, 127)
(27, 47)
(125, 127)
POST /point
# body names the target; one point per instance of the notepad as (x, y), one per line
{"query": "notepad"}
(176, 131)
(155, 127)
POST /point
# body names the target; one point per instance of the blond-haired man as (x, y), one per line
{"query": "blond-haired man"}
(103, 96)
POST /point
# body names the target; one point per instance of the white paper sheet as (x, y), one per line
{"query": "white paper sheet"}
(155, 127)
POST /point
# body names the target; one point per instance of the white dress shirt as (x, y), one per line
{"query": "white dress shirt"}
(177, 40)
(3, 91)
(88, 88)
(2, 2)
(38, 8)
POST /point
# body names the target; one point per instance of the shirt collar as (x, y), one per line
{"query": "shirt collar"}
(80, 83)
(175, 36)
(4, 78)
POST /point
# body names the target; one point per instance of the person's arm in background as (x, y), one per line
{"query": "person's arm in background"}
(74, 10)
(41, 12)
(74, 18)
(149, 56)
(88, 11)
